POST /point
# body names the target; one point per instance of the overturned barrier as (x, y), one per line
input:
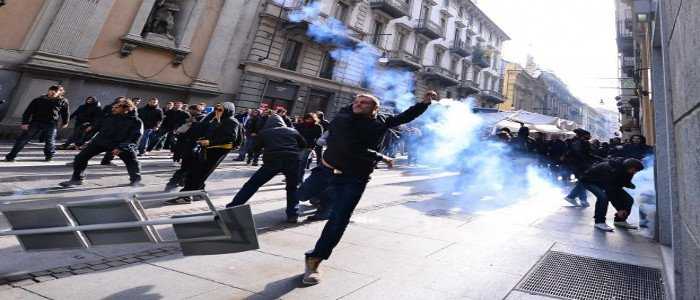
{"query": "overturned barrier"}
(113, 221)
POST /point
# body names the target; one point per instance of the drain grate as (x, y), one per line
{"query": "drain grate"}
(578, 277)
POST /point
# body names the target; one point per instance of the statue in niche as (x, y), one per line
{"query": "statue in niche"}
(162, 20)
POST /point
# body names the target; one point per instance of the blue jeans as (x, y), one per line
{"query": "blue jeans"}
(149, 136)
(47, 132)
(288, 167)
(601, 202)
(618, 197)
(346, 192)
(578, 191)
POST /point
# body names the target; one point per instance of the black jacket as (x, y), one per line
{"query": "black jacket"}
(150, 116)
(354, 140)
(226, 131)
(46, 110)
(119, 132)
(609, 174)
(88, 113)
(278, 141)
(580, 156)
(174, 119)
(311, 133)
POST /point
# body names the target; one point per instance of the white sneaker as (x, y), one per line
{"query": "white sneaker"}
(311, 274)
(603, 227)
(625, 225)
(571, 200)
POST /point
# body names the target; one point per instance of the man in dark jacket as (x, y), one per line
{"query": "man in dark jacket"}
(216, 135)
(85, 117)
(281, 146)
(186, 141)
(579, 158)
(174, 118)
(353, 151)
(606, 181)
(41, 118)
(119, 133)
(151, 115)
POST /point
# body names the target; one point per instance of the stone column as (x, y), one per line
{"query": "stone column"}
(72, 35)
(219, 45)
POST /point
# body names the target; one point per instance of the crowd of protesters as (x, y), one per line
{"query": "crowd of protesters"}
(347, 150)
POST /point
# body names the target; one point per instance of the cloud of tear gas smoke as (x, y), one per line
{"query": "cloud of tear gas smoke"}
(452, 134)
(358, 61)
(645, 193)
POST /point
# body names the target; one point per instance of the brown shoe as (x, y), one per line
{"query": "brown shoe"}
(311, 274)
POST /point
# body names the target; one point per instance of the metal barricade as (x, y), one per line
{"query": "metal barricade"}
(111, 221)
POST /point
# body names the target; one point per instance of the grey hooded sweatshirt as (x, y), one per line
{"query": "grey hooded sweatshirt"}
(279, 142)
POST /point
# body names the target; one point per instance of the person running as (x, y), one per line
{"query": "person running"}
(281, 146)
(216, 135)
(85, 116)
(606, 181)
(352, 154)
(152, 116)
(41, 118)
(118, 134)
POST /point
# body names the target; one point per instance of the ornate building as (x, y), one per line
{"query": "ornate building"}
(187, 50)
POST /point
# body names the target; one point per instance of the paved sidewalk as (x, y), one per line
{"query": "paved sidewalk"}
(407, 240)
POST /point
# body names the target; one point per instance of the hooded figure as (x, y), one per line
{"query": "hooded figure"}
(281, 146)
(86, 116)
(216, 135)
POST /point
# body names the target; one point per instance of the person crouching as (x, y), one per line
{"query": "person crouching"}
(281, 147)
(606, 181)
(117, 134)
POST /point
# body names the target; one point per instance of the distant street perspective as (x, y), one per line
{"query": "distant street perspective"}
(349, 149)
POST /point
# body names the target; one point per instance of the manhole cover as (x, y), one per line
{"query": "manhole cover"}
(578, 277)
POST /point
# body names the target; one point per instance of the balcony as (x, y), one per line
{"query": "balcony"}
(628, 65)
(461, 48)
(429, 29)
(481, 58)
(441, 75)
(394, 8)
(625, 37)
(492, 96)
(468, 87)
(399, 58)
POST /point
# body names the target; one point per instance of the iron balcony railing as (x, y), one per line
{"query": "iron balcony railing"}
(492, 96)
(429, 29)
(441, 73)
(394, 8)
(461, 47)
(403, 57)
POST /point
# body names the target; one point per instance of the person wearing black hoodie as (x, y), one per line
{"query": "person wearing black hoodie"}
(41, 118)
(216, 135)
(85, 116)
(118, 134)
(353, 151)
(606, 181)
(152, 116)
(281, 146)
(579, 158)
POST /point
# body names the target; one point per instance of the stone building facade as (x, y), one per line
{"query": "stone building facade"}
(674, 33)
(173, 49)
(451, 46)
